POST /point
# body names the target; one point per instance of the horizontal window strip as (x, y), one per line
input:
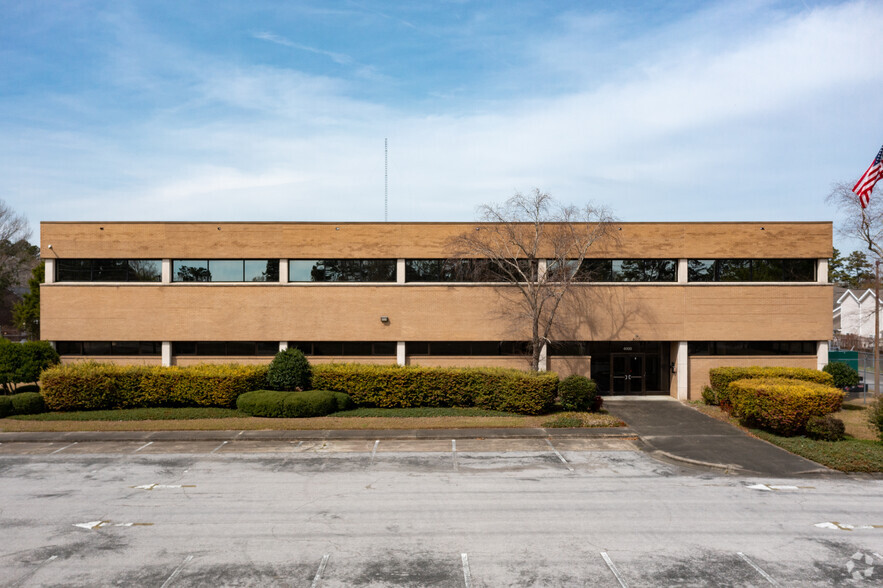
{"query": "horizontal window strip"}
(345, 348)
(341, 270)
(108, 347)
(751, 270)
(108, 270)
(751, 348)
(225, 270)
(488, 348)
(225, 348)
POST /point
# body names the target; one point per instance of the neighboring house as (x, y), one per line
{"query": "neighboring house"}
(854, 313)
(676, 299)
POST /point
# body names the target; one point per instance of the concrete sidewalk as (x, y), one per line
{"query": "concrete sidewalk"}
(673, 430)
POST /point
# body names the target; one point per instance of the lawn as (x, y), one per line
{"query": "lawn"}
(859, 452)
(157, 419)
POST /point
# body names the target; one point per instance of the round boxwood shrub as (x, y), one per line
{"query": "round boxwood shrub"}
(825, 428)
(284, 404)
(5, 406)
(290, 370)
(343, 400)
(262, 403)
(27, 403)
(843, 374)
(577, 393)
(314, 403)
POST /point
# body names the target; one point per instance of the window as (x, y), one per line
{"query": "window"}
(352, 348)
(108, 270)
(222, 348)
(751, 270)
(626, 270)
(751, 348)
(342, 270)
(225, 270)
(108, 347)
(466, 270)
(467, 347)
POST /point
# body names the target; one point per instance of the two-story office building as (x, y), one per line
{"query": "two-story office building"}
(666, 301)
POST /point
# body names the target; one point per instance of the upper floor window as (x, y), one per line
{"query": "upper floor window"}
(467, 270)
(108, 270)
(751, 270)
(624, 270)
(342, 270)
(225, 270)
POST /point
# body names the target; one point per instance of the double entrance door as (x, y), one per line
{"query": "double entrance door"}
(634, 373)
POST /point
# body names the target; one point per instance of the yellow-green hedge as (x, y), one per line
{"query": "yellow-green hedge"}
(95, 386)
(722, 376)
(406, 386)
(781, 405)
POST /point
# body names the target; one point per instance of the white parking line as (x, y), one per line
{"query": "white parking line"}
(63, 448)
(148, 444)
(218, 447)
(320, 570)
(613, 569)
(561, 457)
(765, 575)
(374, 451)
(177, 571)
(454, 455)
(467, 576)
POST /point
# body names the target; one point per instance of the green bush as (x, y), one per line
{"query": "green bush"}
(5, 406)
(722, 376)
(409, 386)
(10, 358)
(709, 396)
(290, 370)
(577, 392)
(343, 400)
(875, 416)
(96, 386)
(28, 403)
(281, 403)
(781, 405)
(35, 356)
(842, 373)
(825, 428)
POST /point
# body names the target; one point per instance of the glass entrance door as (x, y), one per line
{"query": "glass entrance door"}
(627, 373)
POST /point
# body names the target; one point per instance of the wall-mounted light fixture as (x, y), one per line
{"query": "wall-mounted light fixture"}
(384, 320)
(50, 246)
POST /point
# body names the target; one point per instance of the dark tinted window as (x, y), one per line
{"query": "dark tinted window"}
(266, 348)
(800, 270)
(190, 270)
(108, 270)
(626, 270)
(222, 348)
(467, 347)
(108, 347)
(701, 270)
(751, 270)
(225, 270)
(126, 348)
(69, 347)
(347, 348)
(342, 270)
(97, 348)
(752, 348)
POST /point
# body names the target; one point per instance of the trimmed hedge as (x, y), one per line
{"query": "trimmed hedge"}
(278, 403)
(407, 386)
(721, 377)
(5, 406)
(96, 386)
(22, 403)
(781, 405)
(577, 392)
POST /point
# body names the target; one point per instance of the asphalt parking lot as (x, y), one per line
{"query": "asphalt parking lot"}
(464, 512)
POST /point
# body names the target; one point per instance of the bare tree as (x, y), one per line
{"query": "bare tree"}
(17, 256)
(536, 246)
(866, 224)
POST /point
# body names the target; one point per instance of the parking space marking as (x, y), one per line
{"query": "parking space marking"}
(148, 444)
(454, 455)
(561, 457)
(320, 571)
(845, 526)
(765, 575)
(374, 451)
(218, 447)
(28, 575)
(63, 448)
(177, 571)
(613, 569)
(467, 575)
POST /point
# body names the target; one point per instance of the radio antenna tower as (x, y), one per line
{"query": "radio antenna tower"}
(385, 180)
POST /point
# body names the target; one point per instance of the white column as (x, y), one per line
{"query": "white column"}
(682, 271)
(167, 353)
(682, 365)
(50, 271)
(167, 271)
(822, 276)
(544, 358)
(283, 273)
(542, 265)
(400, 272)
(283, 345)
(821, 354)
(400, 353)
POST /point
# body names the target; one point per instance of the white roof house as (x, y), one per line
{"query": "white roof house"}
(854, 313)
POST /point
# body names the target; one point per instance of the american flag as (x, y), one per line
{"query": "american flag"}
(866, 183)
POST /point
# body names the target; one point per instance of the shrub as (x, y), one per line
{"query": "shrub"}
(27, 403)
(577, 393)
(709, 396)
(722, 376)
(781, 405)
(842, 373)
(875, 416)
(407, 386)
(5, 406)
(290, 370)
(825, 428)
(35, 356)
(10, 358)
(343, 400)
(281, 403)
(95, 386)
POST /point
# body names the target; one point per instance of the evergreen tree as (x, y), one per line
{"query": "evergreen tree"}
(26, 313)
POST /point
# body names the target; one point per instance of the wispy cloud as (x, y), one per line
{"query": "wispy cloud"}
(338, 58)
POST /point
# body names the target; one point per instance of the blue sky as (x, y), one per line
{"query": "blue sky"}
(662, 111)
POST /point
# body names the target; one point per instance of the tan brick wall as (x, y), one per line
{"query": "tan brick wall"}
(308, 240)
(566, 365)
(114, 359)
(515, 362)
(699, 366)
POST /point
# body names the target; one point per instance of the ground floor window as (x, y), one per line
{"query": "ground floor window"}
(751, 348)
(222, 348)
(344, 348)
(108, 347)
(467, 348)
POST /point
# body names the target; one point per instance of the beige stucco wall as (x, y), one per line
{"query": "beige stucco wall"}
(700, 364)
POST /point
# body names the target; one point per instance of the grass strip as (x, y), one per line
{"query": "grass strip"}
(422, 412)
(134, 414)
(849, 455)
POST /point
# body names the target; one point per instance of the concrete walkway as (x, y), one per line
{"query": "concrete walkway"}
(673, 430)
